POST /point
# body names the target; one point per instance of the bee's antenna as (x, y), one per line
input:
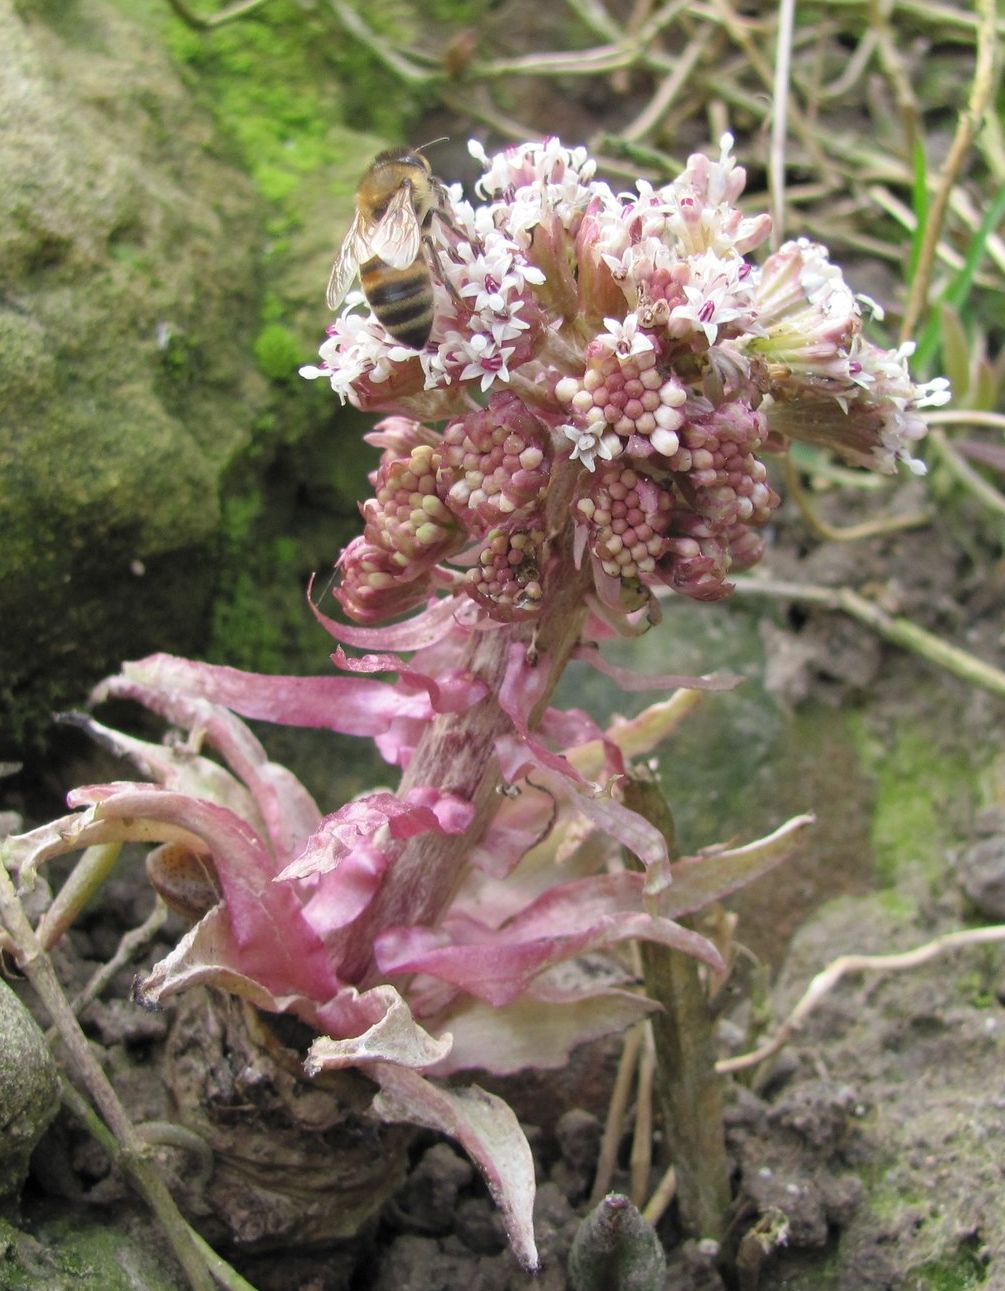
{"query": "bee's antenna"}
(444, 138)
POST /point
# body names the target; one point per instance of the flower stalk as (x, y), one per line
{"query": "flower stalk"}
(686, 1080)
(457, 751)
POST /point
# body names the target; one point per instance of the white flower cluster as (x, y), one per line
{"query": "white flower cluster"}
(555, 278)
(356, 346)
(536, 181)
(492, 278)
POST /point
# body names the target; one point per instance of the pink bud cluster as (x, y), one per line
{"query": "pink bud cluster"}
(494, 462)
(407, 518)
(717, 468)
(626, 516)
(506, 581)
(622, 392)
(608, 370)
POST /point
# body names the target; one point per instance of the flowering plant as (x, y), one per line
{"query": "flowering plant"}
(607, 371)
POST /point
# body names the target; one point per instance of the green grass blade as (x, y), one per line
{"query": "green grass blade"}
(956, 293)
(919, 196)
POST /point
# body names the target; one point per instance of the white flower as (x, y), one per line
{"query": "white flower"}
(356, 346)
(497, 170)
(495, 274)
(591, 442)
(537, 180)
(467, 356)
(875, 309)
(714, 183)
(483, 277)
(934, 393)
(524, 214)
(507, 329)
(716, 294)
(478, 222)
(623, 339)
(479, 350)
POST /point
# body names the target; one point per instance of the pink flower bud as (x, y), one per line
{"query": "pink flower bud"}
(373, 588)
(507, 579)
(406, 516)
(494, 463)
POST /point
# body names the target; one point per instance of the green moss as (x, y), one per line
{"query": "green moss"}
(924, 794)
(978, 986)
(86, 1255)
(963, 1272)
(283, 82)
(278, 352)
(178, 353)
(897, 904)
(457, 13)
(273, 308)
(889, 1200)
(260, 620)
(287, 89)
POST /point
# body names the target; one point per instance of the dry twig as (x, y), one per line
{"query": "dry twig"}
(779, 118)
(848, 533)
(964, 473)
(641, 1158)
(616, 1112)
(825, 981)
(238, 9)
(663, 1195)
(131, 943)
(894, 628)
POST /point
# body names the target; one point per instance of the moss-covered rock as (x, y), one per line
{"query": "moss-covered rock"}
(81, 1252)
(29, 1089)
(170, 201)
(128, 293)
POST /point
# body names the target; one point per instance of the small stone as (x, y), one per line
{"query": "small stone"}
(578, 1133)
(479, 1226)
(981, 869)
(430, 1196)
(29, 1089)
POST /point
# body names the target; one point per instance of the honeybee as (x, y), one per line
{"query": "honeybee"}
(389, 243)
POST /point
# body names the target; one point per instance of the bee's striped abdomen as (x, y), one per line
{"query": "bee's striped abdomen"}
(401, 298)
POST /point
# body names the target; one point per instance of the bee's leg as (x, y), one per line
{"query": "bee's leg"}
(462, 235)
(443, 215)
(434, 255)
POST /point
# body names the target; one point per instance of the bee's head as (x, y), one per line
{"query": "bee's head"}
(406, 156)
(413, 157)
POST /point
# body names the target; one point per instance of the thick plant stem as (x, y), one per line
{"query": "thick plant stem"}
(457, 751)
(688, 1086)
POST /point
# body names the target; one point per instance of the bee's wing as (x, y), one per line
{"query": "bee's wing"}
(398, 237)
(354, 248)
